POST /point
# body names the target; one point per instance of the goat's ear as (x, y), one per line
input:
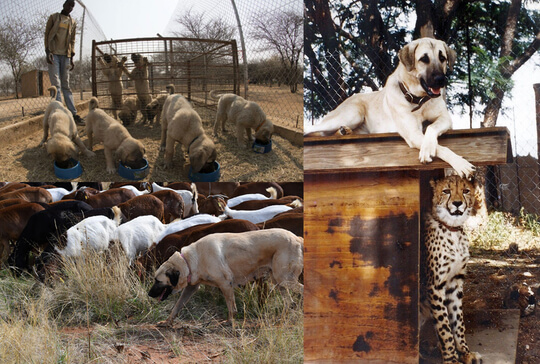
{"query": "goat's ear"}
(173, 277)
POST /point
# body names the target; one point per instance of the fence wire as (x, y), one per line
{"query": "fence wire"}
(23, 75)
(273, 48)
(352, 47)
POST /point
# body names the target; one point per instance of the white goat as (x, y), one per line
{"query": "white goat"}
(264, 214)
(251, 196)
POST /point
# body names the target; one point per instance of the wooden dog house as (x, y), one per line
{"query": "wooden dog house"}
(364, 197)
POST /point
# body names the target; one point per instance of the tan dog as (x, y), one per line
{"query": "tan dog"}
(245, 115)
(64, 134)
(155, 107)
(229, 260)
(181, 123)
(142, 86)
(414, 93)
(118, 143)
(128, 113)
(112, 69)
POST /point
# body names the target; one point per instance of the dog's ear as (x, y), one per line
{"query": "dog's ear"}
(406, 56)
(173, 277)
(451, 55)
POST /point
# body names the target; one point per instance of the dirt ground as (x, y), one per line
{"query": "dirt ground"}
(490, 274)
(24, 161)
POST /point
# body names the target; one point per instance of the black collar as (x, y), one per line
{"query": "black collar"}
(197, 137)
(412, 98)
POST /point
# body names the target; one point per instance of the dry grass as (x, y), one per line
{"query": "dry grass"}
(95, 309)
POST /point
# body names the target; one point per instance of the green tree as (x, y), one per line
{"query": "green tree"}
(353, 46)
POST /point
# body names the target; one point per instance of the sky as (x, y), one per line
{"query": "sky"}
(121, 19)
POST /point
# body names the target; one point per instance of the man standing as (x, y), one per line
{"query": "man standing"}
(60, 49)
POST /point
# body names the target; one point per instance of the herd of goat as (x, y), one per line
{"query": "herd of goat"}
(149, 221)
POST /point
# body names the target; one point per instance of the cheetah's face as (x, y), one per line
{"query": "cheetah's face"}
(453, 200)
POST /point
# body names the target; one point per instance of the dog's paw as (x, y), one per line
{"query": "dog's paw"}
(463, 168)
(344, 130)
(111, 170)
(427, 150)
(162, 148)
(89, 154)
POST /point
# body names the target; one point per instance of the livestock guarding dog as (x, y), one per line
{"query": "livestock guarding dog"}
(228, 260)
(115, 137)
(142, 86)
(246, 115)
(413, 93)
(181, 123)
(112, 69)
(63, 132)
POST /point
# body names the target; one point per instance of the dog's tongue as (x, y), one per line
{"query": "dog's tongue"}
(161, 295)
(435, 91)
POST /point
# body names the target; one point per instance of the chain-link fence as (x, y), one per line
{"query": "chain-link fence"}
(23, 68)
(353, 47)
(268, 35)
(270, 43)
(195, 67)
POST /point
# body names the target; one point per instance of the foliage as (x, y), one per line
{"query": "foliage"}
(369, 34)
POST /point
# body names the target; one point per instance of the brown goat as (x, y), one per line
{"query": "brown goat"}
(257, 187)
(108, 198)
(173, 204)
(12, 186)
(30, 194)
(157, 254)
(292, 221)
(217, 188)
(142, 205)
(11, 202)
(260, 204)
(179, 186)
(293, 188)
(13, 219)
(212, 205)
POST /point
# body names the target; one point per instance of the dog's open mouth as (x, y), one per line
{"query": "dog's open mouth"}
(431, 91)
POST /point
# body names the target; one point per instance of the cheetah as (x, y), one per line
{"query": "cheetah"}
(444, 258)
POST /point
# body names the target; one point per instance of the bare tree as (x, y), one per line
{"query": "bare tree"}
(283, 33)
(17, 38)
(195, 25)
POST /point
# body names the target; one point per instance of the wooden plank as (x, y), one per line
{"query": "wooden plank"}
(389, 152)
(361, 267)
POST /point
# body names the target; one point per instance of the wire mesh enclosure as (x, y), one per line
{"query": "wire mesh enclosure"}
(194, 66)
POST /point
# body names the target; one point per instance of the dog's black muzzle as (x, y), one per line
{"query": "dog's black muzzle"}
(160, 291)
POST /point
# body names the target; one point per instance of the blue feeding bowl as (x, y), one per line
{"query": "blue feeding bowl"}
(259, 147)
(212, 176)
(74, 170)
(133, 173)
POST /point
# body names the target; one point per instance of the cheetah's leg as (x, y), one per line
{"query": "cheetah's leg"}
(436, 297)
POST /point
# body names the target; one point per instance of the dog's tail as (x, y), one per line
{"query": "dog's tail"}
(53, 91)
(273, 192)
(170, 89)
(215, 94)
(94, 103)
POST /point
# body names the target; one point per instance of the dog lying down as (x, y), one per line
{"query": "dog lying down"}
(229, 260)
(413, 93)
(64, 134)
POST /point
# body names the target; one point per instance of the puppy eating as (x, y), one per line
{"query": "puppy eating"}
(181, 123)
(64, 134)
(246, 115)
(117, 141)
(229, 260)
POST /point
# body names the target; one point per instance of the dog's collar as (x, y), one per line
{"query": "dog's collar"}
(413, 99)
(451, 228)
(261, 124)
(197, 137)
(189, 275)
